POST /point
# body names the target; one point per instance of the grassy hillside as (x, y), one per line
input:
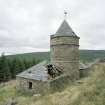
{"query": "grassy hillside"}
(91, 55)
(87, 91)
(85, 55)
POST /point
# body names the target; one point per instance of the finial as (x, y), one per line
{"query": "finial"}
(65, 14)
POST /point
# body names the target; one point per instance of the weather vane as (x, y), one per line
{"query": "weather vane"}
(65, 14)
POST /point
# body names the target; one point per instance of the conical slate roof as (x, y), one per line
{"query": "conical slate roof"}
(65, 30)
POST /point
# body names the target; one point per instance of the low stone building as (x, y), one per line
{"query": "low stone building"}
(63, 67)
(37, 80)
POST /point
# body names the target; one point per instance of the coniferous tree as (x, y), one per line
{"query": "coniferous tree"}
(30, 64)
(15, 69)
(26, 64)
(1, 71)
(5, 74)
(33, 62)
(21, 65)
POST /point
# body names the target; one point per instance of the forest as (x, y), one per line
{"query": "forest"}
(10, 68)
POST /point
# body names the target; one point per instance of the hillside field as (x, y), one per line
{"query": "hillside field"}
(85, 55)
(86, 91)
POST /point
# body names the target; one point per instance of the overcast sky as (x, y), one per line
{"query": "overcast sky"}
(26, 25)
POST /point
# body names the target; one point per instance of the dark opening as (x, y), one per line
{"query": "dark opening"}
(30, 85)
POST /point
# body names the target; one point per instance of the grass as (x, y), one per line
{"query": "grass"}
(85, 55)
(87, 91)
(8, 90)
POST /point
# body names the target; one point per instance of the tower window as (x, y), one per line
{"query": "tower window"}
(30, 85)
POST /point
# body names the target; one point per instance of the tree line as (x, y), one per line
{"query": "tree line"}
(10, 68)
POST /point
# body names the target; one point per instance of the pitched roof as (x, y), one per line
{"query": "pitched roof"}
(65, 30)
(37, 72)
(82, 66)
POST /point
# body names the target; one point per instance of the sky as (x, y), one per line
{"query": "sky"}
(26, 25)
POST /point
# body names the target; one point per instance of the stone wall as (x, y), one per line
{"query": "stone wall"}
(84, 72)
(65, 54)
(60, 83)
(41, 87)
(37, 86)
(64, 40)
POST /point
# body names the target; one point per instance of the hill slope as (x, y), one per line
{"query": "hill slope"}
(85, 55)
(87, 91)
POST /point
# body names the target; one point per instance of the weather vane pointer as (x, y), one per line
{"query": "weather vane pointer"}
(65, 14)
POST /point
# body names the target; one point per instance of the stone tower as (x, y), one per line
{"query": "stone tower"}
(64, 45)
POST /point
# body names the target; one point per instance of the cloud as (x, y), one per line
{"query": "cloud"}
(28, 24)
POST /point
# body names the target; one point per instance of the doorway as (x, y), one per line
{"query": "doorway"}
(30, 85)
